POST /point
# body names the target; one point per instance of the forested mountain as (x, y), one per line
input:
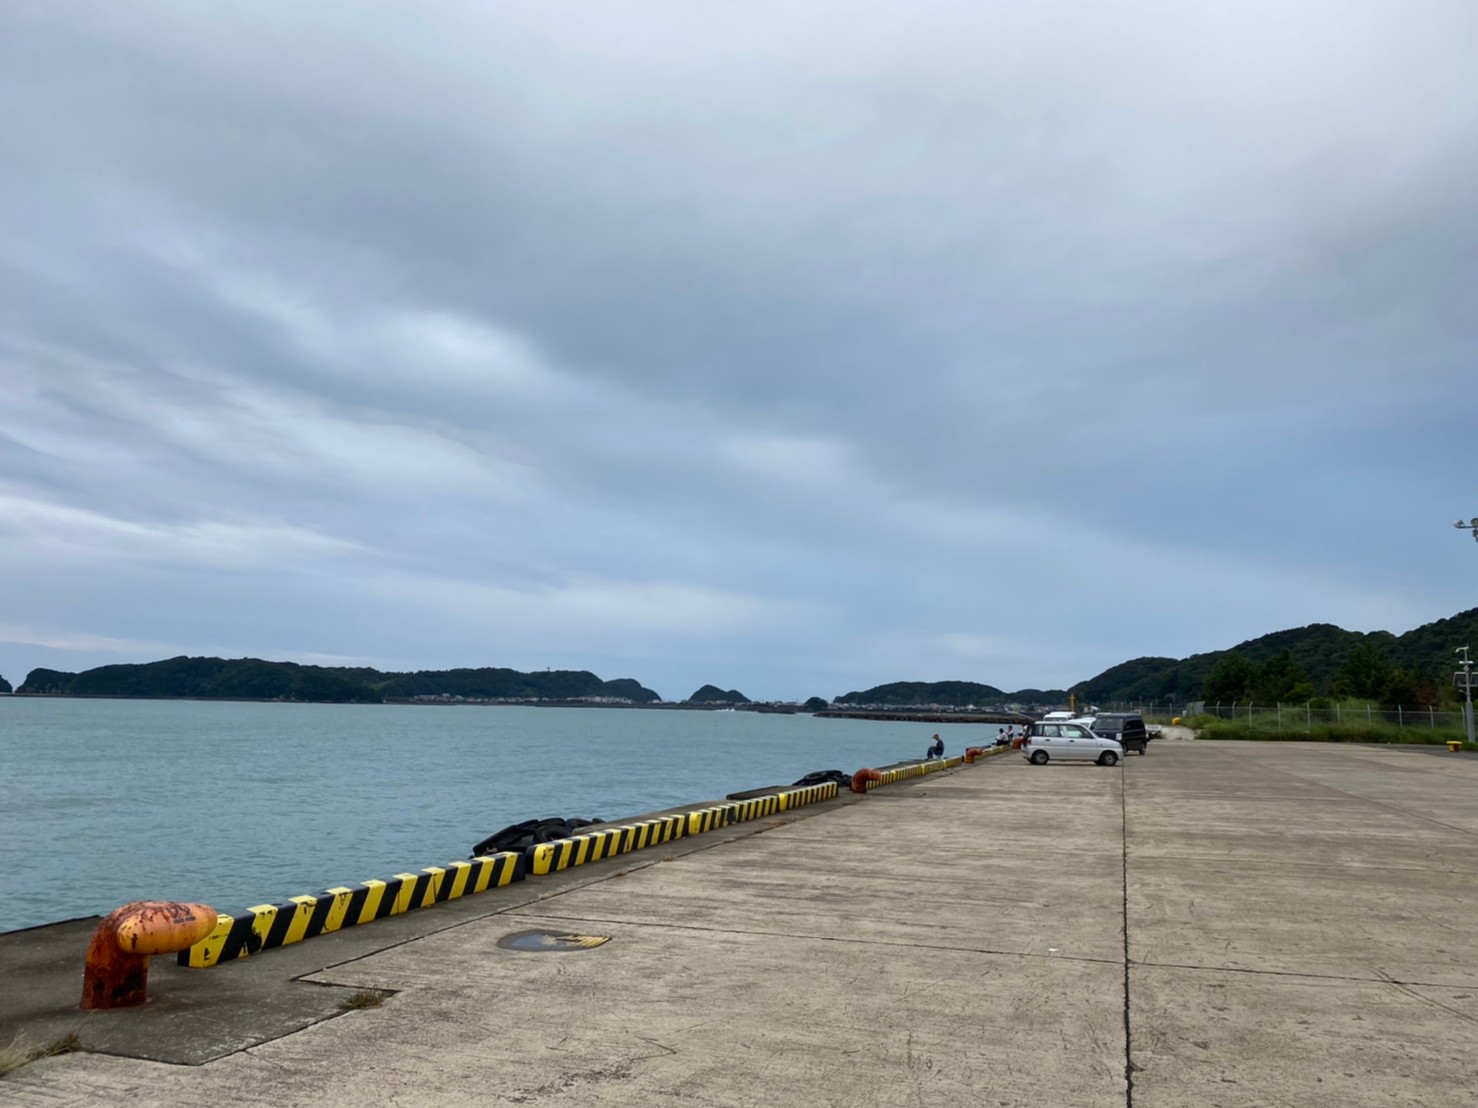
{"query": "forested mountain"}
(255, 679)
(1323, 656)
(4, 685)
(1037, 696)
(951, 694)
(954, 694)
(712, 694)
(1317, 660)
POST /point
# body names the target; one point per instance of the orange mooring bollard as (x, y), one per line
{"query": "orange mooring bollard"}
(117, 974)
(973, 752)
(862, 777)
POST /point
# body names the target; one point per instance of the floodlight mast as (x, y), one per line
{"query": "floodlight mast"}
(1467, 664)
(1471, 525)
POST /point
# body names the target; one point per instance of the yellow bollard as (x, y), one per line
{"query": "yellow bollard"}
(1454, 745)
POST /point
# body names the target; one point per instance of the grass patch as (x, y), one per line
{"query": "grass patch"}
(67, 1044)
(1264, 730)
(15, 1054)
(364, 998)
(20, 1051)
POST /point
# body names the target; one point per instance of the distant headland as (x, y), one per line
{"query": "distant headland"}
(1306, 663)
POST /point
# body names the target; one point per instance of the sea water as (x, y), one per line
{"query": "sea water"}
(234, 804)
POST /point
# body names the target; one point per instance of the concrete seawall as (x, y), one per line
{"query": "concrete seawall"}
(1219, 924)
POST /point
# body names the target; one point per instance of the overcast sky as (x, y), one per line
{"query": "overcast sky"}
(793, 347)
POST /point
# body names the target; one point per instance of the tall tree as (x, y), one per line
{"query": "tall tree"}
(1365, 673)
(1230, 679)
(1282, 680)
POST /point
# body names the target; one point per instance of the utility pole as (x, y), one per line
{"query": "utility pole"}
(1467, 664)
(1471, 525)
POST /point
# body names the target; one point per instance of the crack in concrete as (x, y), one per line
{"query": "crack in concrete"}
(1128, 1029)
(1380, 978)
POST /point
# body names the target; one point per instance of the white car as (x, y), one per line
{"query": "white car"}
(1069, 741)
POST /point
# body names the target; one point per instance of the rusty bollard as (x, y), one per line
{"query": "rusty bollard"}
(117, 973)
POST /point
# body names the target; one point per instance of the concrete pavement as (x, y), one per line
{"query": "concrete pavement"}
(1224, 924)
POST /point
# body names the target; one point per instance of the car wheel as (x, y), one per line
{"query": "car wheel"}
(1039, 757)
(1107, 758)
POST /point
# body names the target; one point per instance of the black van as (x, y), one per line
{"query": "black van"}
(1125, 727)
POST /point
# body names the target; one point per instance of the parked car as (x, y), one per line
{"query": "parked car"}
(1069, 741)
(1127, 728)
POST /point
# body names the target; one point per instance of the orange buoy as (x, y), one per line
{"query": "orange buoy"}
(862, 777)
(117, 974)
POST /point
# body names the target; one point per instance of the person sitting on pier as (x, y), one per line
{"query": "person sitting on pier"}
(937, 749)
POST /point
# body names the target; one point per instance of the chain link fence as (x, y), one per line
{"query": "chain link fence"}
(1305, 717)
(1297, 717)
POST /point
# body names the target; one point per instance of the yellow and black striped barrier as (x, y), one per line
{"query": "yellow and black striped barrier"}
(558, 854)
(708, 819)
(576, 850)
(893, 774)
(302, 917)
(807, 794)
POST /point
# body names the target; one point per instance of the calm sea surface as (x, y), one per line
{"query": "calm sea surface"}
(107, 801)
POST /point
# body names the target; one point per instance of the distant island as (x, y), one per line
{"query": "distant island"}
(945, 694)
(1310, 663)
(255, 679)
(712, 694)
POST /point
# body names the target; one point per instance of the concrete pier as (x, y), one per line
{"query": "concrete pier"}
(1218, 924)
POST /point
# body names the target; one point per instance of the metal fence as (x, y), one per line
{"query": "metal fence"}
(1305, 717)
(1297, 717)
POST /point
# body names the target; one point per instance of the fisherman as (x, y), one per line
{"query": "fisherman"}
(937, 749)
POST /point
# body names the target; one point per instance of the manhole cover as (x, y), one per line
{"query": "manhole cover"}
(540, 941)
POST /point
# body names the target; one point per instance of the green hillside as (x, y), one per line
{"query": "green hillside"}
(1421, 663)
(712, 694)
(255, 679)
(953, 694)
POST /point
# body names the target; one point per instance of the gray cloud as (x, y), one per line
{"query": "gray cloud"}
(790, 349)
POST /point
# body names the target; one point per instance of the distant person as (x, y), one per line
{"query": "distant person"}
(937, 749)
(1002, 736)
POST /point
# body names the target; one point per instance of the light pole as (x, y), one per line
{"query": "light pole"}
(1467, 664)
(1471, 525)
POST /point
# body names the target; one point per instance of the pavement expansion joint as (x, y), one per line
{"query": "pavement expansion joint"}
(1128, 1025)
(891, 944)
